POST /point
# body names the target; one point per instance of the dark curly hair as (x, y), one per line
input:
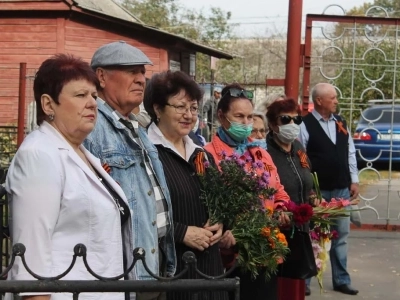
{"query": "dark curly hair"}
(163, 85)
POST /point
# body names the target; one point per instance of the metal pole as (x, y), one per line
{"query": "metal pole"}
(118, 286)
(237, 289)
(21, 104)
(293, 47)
(306, 68)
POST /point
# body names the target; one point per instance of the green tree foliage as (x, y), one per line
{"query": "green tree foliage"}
(210, 28)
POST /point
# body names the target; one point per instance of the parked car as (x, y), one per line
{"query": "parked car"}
(377, 135)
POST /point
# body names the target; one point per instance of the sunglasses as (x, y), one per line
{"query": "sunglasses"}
(285, 119)
(238, 93)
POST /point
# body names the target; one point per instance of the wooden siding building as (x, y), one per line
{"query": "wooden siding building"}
(31, 31)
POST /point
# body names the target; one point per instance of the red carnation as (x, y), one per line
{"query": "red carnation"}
(302, 214)
(291, 206)
(334, 234)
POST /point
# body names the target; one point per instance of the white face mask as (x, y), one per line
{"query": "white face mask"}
(288, 133)
(196, 126)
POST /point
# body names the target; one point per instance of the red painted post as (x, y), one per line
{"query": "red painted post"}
(306, 68)
(293, 47)
(21, 104)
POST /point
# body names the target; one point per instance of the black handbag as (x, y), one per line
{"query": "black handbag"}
(300, 262)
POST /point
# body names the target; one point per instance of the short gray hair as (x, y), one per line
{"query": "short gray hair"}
(263, 106)
(261, 115)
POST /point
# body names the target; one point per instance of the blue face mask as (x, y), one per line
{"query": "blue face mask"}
(238, 131)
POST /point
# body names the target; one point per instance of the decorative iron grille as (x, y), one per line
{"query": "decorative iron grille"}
(114, 284)
(359, 56)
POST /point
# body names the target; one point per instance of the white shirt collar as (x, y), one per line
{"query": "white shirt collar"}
(157, 138)
(318, 116)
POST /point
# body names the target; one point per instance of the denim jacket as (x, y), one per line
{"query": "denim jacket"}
(111, 142)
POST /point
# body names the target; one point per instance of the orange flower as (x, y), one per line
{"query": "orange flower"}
(271, 242)
(282, 239)
(268, 205)
(266, 232)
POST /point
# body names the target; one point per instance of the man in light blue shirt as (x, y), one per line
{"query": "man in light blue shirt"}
(331, 150)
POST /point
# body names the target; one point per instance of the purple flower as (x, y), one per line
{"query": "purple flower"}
(254, 165)
(235, 156)
(247, 156)
(259, 164)
(262, 184)
(223, 153)
(206, 164)
(265, 177)
(240, 162)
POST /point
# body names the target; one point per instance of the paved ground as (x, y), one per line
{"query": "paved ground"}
(374, 266)
(383, 197)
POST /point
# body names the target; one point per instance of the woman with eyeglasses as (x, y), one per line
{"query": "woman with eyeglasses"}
(293, 165)
(259, 130)
(172, 101)
(235, 114)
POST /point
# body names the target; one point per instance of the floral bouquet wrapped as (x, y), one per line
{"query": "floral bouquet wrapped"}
(238, 196)
(321, 217)
(321, 233)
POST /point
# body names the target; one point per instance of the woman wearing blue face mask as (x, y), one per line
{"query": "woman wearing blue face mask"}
(259, 131)
(294, 168)
(235, 114)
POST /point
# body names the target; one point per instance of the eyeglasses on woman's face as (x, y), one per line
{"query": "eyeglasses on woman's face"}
(256, 131)
(286, 119)
(182, 109)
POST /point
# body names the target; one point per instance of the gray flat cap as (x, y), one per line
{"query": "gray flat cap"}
(119, 54)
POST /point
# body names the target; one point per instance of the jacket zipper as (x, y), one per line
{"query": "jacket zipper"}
(297, 173)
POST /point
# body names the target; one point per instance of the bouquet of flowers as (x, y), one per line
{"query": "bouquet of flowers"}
(238, 196)
(321, 218)
(321, 233)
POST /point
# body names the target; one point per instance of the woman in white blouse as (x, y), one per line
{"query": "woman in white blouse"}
(59, 193)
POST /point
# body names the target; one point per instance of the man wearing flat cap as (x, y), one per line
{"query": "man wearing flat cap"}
(132, 160)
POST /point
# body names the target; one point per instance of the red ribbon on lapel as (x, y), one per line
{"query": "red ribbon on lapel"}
(106, 168)
(303, 159)
(268, 167)
(341, 127)
(199, 163)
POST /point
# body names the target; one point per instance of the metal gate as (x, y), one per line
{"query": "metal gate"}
(360, 56)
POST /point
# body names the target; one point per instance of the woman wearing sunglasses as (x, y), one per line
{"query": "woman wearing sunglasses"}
(235, 114)
(293, 166)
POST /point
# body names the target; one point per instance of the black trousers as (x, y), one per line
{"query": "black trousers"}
(256, 289)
